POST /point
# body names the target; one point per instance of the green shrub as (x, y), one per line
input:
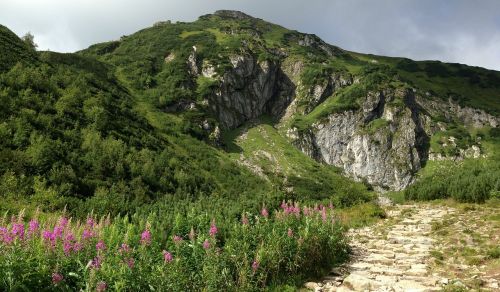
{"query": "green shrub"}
(473, 181)
(190, 252)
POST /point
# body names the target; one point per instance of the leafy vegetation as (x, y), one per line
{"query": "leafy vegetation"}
(14, 50)
(193, 253)
(470, 180)
(119, 130)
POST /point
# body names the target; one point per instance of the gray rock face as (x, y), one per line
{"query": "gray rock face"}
(319, 92)
(250, 89)
(192, 63)
(469, 116)
(313, 41)
(387, 156)
(384, 142)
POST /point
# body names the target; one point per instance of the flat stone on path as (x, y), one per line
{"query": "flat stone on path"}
(394, 261)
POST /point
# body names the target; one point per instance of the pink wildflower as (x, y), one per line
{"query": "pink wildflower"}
(3, 232)
(125, 248)
(58, 231)
(284, 205)
(67, 246)
(70, 237)
(146, 237)
(255, 266)
(130, 262)
(49, 236)
(264, 212)
(101, 286)
(290, 232)
(288, 210)
(7, 238)
(87, 234)
(206, 244)
(167, 257)
(96, 263)
(323, 214)
(63, 222)
(213, 229)
(18, 230)
(100, 245)
(90, 222)
(57, 278)
(306, 211)
(33, 227)
(77, 246)
(177, 239)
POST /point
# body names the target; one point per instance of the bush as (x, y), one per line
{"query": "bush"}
(190, 253)
(474, 181)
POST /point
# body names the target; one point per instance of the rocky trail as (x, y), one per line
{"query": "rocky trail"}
(396, 255)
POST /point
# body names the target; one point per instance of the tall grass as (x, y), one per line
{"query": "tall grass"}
(192, 254)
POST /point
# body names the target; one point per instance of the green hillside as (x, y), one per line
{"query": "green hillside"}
(88, 131)
(139, 135)
(13, 50)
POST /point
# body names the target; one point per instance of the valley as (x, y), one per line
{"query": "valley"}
(233, 154)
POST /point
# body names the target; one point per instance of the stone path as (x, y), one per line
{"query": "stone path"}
(391, 256)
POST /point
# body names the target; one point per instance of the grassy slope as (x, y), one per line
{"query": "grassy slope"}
(263, 146)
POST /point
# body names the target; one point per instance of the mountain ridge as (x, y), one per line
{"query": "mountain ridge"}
(233, 154)
(304, 80)
(379, 120)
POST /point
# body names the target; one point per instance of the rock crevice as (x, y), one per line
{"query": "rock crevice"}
(250, 89)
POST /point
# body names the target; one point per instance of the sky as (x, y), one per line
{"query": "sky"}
(460, 31)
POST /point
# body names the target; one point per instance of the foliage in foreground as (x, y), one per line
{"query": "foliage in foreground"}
(192, 253)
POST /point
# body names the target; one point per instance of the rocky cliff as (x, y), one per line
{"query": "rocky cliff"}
(384, 142)
(387, 140)
(379, 119)
(248, 90)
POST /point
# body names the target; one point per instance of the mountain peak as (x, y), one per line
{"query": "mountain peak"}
(232, 14)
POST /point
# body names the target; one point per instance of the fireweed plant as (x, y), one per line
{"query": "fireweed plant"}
(196, 253)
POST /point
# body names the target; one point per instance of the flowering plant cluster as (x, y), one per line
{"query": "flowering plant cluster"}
(102, 254)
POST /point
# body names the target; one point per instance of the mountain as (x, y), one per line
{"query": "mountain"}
(379, 119)
(234, 109)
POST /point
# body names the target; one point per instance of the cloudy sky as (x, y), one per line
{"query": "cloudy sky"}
(462, 31)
